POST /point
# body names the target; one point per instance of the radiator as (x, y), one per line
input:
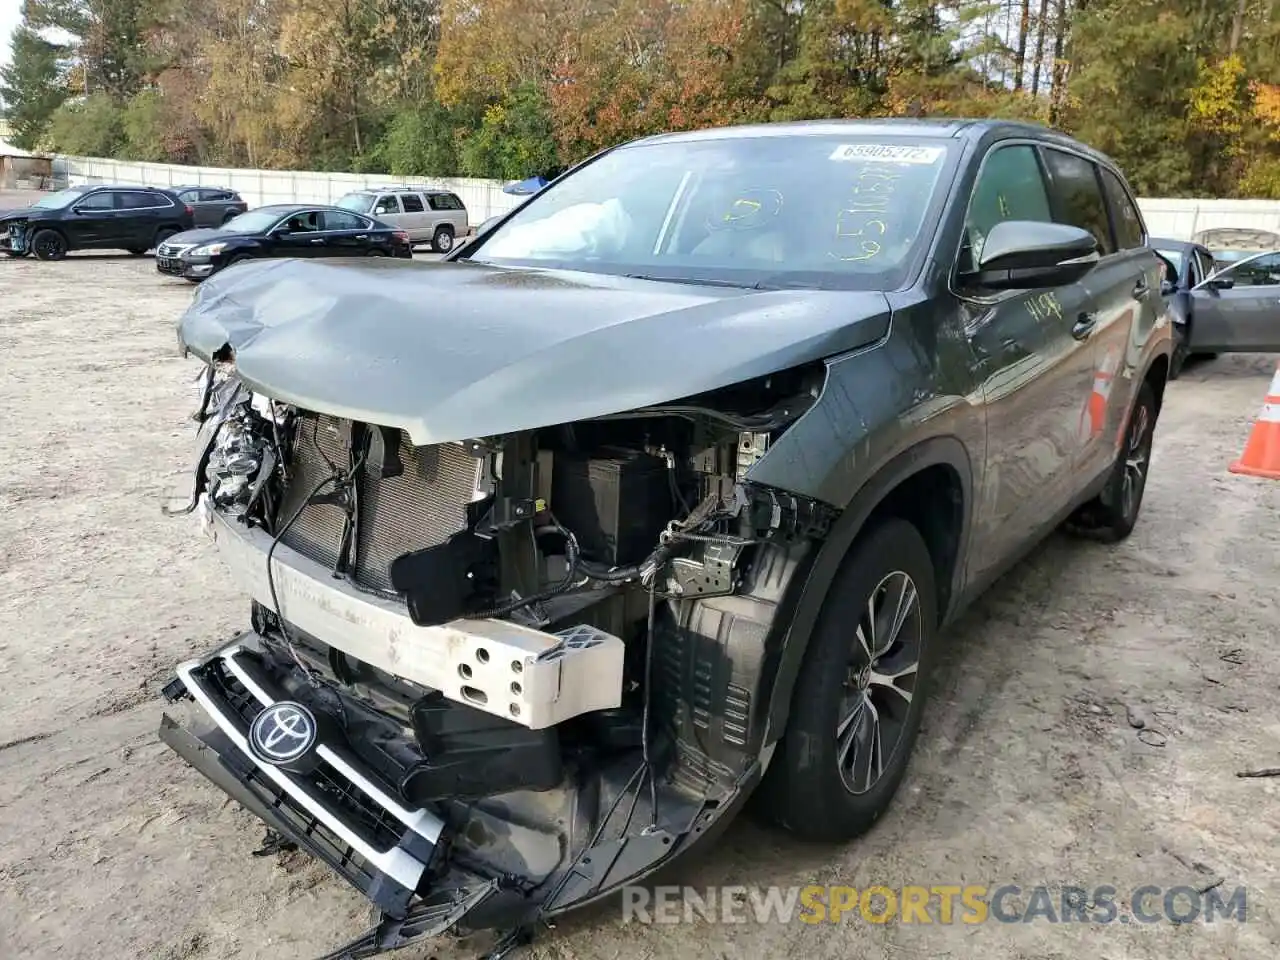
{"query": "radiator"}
(422, 507)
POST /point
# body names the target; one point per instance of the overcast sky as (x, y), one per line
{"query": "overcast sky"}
(10, 14)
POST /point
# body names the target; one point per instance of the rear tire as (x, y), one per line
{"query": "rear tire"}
(49, 245)
(1112, 515)
(442, 241)
(822, 784)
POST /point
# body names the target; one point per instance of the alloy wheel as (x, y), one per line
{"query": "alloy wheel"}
(1137, 458)
(880, 683)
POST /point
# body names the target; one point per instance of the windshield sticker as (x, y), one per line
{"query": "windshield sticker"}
(886, 153)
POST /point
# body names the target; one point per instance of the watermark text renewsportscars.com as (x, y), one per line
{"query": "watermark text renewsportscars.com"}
(933, 904)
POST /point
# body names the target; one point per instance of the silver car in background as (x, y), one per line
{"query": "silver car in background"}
(428, 215)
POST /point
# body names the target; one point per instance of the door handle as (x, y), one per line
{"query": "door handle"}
(1084, 325)
(318, 240)
(1141, 289)
(362, 236)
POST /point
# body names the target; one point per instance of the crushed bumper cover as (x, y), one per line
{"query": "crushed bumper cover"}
(330, 807)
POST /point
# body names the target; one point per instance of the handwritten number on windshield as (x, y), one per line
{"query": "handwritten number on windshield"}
(860, 224)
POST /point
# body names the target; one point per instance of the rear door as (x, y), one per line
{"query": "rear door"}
(139, 216)
(1238, 309)
(345, 234)
(417, 219)
(1036, 374)
(199, 210)
(1124, 294)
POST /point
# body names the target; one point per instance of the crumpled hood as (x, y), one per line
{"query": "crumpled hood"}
(20, 211)
(452, 351)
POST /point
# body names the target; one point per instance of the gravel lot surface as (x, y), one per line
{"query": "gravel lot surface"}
(1028, 772)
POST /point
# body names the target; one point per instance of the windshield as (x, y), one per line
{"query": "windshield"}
(800, 210)
(255, 221)
(359, 202)
(56, 201)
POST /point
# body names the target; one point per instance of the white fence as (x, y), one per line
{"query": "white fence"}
(1176, 218)
(482, 198)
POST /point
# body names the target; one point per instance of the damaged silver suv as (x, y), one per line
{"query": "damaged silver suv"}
(654, 498)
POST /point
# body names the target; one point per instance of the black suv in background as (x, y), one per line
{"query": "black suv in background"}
(94, 217)
(213, 206)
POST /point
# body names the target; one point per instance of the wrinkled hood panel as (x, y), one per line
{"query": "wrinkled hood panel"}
(451, 351)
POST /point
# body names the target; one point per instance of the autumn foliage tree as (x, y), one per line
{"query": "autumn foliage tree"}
(1185, 94)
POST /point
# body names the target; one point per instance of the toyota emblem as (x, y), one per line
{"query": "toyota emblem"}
(282, 732)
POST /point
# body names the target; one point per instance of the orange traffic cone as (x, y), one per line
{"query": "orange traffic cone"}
(1261, 457)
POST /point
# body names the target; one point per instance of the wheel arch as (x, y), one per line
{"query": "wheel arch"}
(905, 486)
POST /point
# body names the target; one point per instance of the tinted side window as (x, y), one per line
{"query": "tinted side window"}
(336, 220)
(1077, 198)
(213, 195)
(137, 200)
(98, 201)
(412, 202)
(1124, 212)
(1010, 187)
(1263, 272)
(388, 204)
(444, 201)
(189, 196)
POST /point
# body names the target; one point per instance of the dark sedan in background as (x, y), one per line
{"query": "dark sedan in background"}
(1216, 309)
(283, 230)
(212, 206)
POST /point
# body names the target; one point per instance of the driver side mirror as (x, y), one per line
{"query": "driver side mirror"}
(1220, 283)
(1029, 254)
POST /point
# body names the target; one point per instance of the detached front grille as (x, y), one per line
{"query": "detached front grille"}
(421, 508)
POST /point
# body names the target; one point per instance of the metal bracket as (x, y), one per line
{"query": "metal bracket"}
(712, 576)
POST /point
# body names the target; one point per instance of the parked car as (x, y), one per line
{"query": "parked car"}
(1188, 263)
(1232, 244)
(661, 495)
(1232, 309)
(94, 217)
(426, 214)
(213, 206)
(281, 230)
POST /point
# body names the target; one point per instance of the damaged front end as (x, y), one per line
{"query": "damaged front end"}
(493, 680)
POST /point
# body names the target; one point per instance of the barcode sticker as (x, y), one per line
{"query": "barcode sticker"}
(886, 153)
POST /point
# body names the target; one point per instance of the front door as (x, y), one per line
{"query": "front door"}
(1238, 309)
(90, 223)
(1036, 369)
(300, 235)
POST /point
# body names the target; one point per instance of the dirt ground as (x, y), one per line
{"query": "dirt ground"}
(1028, 771)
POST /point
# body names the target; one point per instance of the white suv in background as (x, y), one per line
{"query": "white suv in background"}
(426, 214)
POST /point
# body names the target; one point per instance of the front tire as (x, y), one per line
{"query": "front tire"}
(49, 245)
(860, 695)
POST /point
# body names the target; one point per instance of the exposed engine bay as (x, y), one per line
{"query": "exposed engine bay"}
(492, 680)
